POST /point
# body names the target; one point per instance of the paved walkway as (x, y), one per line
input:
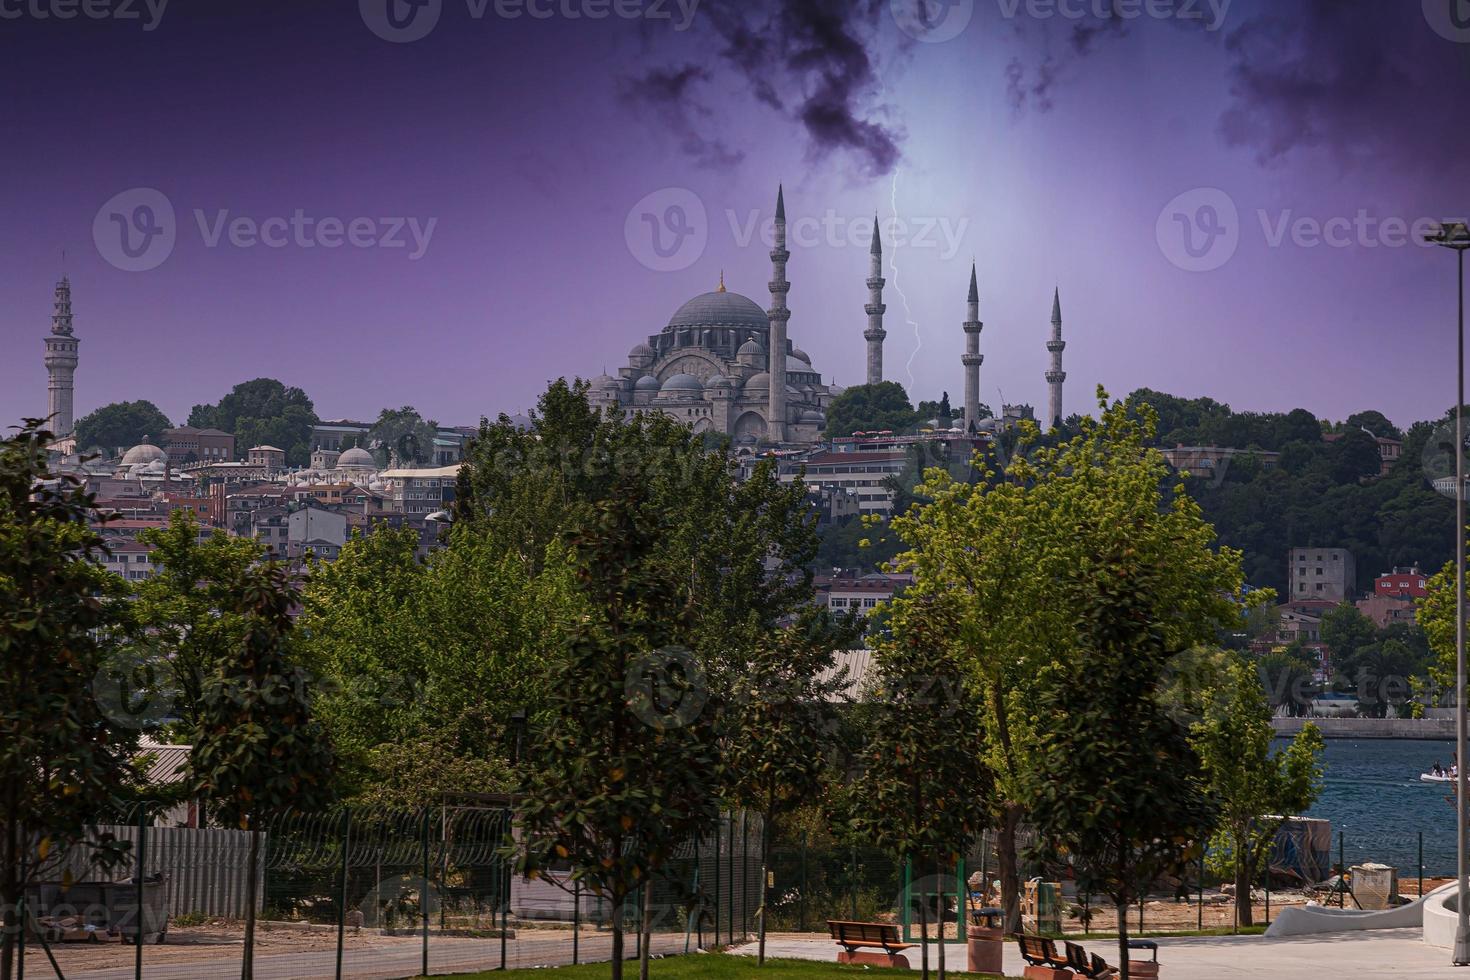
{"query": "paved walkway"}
(1385, 953)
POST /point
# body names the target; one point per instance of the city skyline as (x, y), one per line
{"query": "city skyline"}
(1029, 144)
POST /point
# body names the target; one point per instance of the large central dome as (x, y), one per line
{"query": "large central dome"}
(719, 309)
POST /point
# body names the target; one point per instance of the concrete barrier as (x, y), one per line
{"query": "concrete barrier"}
(1430, 728)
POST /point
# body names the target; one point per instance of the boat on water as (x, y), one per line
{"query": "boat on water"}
(1436, 777)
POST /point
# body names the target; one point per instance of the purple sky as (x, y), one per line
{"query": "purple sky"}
(1046, 146)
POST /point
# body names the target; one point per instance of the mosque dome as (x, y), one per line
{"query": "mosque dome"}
(748, 349)
(719, 309)
(681, 384)
(647, 383)
(811, 415)
(641, 350)
(719, 381)
(143, 452)
(760, 381)
(800, 355)
(357, 458)
(603, 381)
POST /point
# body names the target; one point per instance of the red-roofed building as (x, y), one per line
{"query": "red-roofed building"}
(1402, 583)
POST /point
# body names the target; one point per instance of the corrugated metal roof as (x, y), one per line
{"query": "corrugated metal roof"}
(167, 763)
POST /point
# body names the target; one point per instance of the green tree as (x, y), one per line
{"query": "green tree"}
(627, 767)
(868, 408)
(403, 435)
(1345, 629)
(263, 412)
(120, 424)
(1375, 422)
(1116, 782)
(1355, 457)
(924, 792)
(998, 547)
(1255, 785)
(258, 752)
(62, 760)
(1287, 681)
(189, 610)
(776, 732)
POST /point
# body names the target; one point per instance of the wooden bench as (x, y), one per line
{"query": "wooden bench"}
(1093, 967)
(1042, 961)
(860, 940)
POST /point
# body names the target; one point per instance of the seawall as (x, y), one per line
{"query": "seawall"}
(1431, 728)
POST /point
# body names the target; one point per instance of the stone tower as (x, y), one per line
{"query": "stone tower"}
(779, 315)
(972, 358)
(1056, 375)
(61, 363)
(875, 309)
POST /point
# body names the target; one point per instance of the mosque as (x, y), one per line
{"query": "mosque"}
(725, 365)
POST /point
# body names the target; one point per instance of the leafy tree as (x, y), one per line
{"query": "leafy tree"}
(777, 730)
(939, 411)
(1345, 629)
(1116, 781)
(1287, 682)
(120, 424)
(441, 652)
(998, 547)
(258, 752)
(627, 767)
(1255, 785)
(61, 759)
(1375, 422)
(1356, 457)
(924, 790)
(263, 412)
(403, 435)
(868, 408)
(189, 609)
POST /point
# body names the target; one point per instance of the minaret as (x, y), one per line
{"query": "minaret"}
(972, 358)
(875, 333)
(61, 363)
(1056, 375)
(779, 314)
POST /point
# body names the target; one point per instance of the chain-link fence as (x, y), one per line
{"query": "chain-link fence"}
(817, 881)
(365, 893)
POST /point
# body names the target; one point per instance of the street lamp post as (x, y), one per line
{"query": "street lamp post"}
(1455, 235)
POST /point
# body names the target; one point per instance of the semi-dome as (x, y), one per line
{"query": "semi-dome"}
(641, 350)
(682, 382)
(762, 381)
(143, 452)
(647, 383)
(798, 354)
(719, 309)
(719, 381)
(748, 348)
(357, 458)
(812, 415)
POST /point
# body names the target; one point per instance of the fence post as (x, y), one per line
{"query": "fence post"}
(718, 834)
(142, 867)
(904, 915)
(744, 877)
(424, 896)
(961, 898)
(1268, 889)
(1341, 872)
(1201, 889)
(342, 900)
(504, 885)
(853, 881)
(801, 895)
(576, 921)
(1421, 864)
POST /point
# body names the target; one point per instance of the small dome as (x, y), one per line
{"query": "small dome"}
(758, 381)
(603, 381)
(798, 354)
(719, 381)
(835, 390)
(682, 383)
(748, 348)
(811, 415)
(647, 383)
(521, 423)
(641, 350)
(143, 452)
(357, 458)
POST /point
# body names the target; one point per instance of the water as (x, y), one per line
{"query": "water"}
(1372, 794)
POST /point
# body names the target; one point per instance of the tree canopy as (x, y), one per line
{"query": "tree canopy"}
(870, 408)
(263, 412)
(119, 425)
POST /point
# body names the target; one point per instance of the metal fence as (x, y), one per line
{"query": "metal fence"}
(380, 893)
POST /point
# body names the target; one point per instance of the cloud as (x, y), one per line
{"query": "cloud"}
(808, 60)
(670, 93)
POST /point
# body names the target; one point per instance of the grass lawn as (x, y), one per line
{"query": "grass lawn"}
(709, 966)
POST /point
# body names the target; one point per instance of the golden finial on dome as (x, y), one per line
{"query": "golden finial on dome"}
(722, 282)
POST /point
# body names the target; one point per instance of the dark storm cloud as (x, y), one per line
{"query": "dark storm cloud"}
(670, 93)
(1359, 79)
(806, 59)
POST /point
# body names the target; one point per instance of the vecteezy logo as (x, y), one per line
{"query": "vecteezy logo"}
(1199, 230)
(135, 689)
(667, 230)
(932, 21)
(1450, 19)
(135, 231)
(401, 21)
(1440, 461)
(665, 688)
